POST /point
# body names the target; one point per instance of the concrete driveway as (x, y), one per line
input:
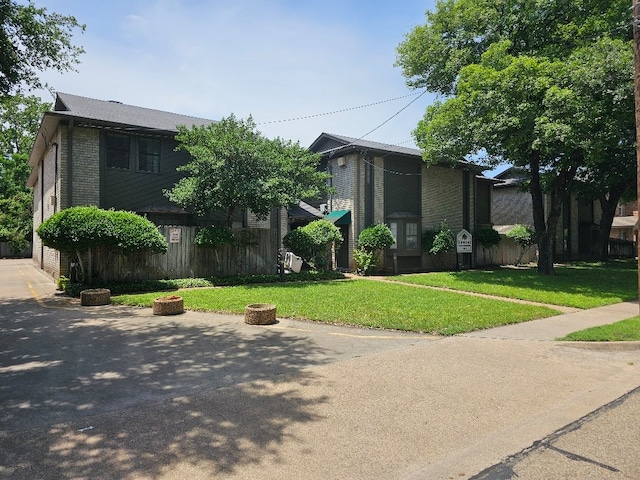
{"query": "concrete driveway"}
(117, 393)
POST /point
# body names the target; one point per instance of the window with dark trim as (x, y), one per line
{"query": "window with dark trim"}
(117, 150)
(149, 154)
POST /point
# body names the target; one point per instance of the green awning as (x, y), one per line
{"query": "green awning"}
(339, 217)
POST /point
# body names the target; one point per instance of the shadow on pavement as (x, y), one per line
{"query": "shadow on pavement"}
(65, 367)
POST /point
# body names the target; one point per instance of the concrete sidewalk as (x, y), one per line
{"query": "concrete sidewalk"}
(561, 325)
(116, 393)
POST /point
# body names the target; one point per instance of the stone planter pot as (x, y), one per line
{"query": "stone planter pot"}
(95, 296)
(260, 314)
(171, 305)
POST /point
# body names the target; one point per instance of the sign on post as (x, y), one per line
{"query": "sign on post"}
(464, 242)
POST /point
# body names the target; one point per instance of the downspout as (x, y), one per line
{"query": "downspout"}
(466, 207)
(356, 223)
(69, 202)
(466, 201)
(41, 211)
(55, 179)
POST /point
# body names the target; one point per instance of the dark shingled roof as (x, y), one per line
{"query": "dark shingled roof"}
(342, 144)
(120, 113)
(355, 142)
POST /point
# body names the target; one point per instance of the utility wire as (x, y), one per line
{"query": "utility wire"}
(376, 128)
(394, 115)
(343, 110)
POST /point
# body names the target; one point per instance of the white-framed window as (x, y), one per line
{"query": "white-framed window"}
(406, 232)
(393, 226)
(411, 235)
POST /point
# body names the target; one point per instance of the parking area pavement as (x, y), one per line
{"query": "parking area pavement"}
(115, 392)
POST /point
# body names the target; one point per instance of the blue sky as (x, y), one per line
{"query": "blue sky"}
(275, 60)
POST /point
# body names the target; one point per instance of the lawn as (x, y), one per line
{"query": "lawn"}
(360, 302)
(580, 285)
(624, 330)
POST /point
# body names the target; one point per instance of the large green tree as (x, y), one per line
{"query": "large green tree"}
(19, 119)
(33, 40)
(536, 83)
(235, 168)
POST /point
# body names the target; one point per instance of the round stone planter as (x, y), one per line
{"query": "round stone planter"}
(95, 296)
(171, 305)
(260, 314)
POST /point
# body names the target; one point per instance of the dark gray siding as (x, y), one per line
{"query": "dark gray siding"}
(132, 190)
(138, 191)
(402, 185)
(483, 203)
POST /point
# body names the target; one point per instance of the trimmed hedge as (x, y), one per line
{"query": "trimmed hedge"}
(76, 229)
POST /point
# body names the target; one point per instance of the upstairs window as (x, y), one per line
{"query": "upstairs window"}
(117, 149)
(149, 154)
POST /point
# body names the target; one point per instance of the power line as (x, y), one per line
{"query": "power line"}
(344, 109)
(393, 172)
(394, 115)
(376, 128)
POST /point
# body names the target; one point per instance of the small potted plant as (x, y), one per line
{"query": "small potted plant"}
(170, 305)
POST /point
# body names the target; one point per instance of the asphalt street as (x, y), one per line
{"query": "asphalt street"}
(115, 392)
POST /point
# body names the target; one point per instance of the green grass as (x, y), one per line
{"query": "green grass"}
(360, 302)
(580, 285)
(625, 330)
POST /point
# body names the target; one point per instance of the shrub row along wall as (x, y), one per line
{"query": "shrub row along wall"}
(185, 260)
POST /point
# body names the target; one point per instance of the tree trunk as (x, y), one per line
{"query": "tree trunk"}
(546, 228)
(230, 212)
(545, 241)
(608, 206)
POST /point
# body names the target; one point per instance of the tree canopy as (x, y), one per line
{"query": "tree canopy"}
(546, 86)
(19, 120)
(234, 168)
(32, 40)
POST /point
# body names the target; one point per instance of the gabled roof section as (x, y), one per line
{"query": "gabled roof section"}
(511, 177)
(328, 143)
(332, 145)
(103, 114)
(114, 112)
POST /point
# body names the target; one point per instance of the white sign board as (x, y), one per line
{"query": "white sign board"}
(464, 242)
(174, 235)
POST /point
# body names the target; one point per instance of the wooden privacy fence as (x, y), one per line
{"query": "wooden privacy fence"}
(622, 248)
(186, 260)
(506, 252)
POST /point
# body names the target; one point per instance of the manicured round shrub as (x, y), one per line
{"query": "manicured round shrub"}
(76, 229)
(376, 237)
(313, 242)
